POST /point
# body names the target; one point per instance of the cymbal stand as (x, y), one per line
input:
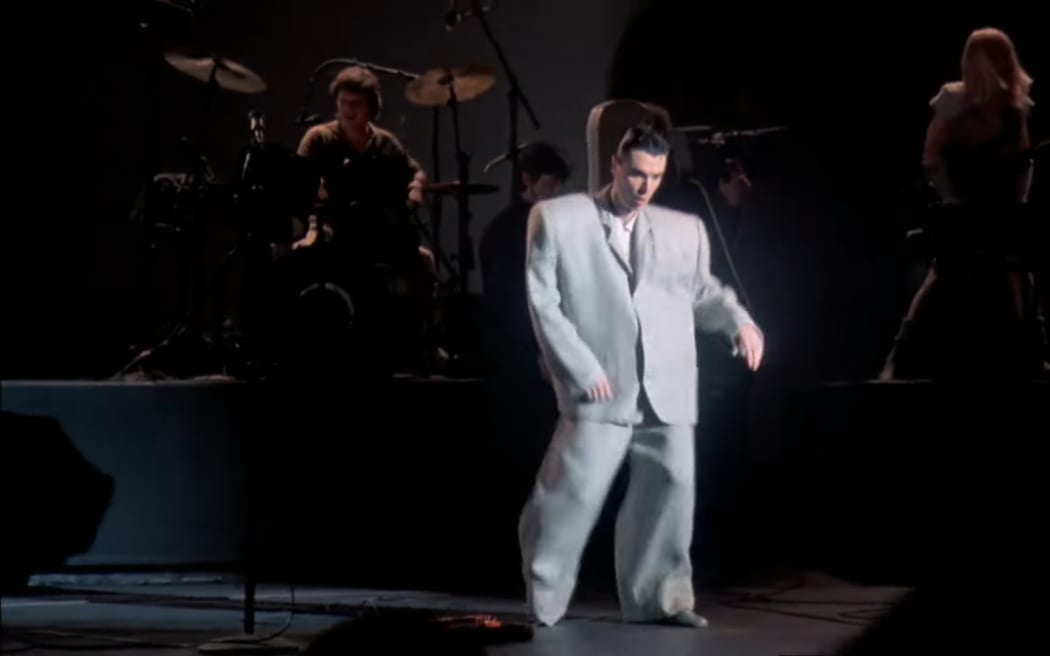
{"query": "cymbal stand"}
(515, 97)
(466, 246)
(436, 205)
(189, 231)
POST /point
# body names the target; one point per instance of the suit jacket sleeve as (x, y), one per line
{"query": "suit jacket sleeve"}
(559, 340)
(715, 306)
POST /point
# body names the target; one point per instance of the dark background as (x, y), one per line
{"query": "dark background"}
(94, 111)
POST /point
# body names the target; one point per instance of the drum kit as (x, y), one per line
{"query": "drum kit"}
(273, 189)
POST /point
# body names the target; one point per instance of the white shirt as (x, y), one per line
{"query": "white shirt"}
(621, 234)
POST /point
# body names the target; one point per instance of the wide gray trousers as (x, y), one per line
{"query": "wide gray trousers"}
(653, 528)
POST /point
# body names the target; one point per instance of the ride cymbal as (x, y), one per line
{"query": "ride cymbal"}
(432, 88)
(228, 74)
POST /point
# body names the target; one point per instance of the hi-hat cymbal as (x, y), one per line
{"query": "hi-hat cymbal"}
(228, 74)
(431, 89)
(473, 188)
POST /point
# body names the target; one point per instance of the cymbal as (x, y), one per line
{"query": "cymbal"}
(431, 89)
(473, 188)
(228, 74)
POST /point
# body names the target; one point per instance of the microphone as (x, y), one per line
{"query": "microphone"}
(454, 17)
(502, 157)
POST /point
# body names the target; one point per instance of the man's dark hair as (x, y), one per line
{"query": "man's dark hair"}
(359, 80)
(647, 137)
(541, 157)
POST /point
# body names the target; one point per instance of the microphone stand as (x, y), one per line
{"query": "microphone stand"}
(718, 142)
(515, 97)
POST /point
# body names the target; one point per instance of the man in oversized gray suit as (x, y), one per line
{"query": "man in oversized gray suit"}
(617, 289)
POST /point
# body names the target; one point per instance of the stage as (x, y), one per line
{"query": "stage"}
(380, 492)
(177, 613)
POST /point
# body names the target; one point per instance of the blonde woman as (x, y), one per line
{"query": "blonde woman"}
(976, 313)
(977, 140)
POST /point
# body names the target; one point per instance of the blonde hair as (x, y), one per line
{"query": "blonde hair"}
(991, 71)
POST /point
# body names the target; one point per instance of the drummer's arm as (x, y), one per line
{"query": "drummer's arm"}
(307, 150)
(312, 221)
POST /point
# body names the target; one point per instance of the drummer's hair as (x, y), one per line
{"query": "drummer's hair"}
(359, 79)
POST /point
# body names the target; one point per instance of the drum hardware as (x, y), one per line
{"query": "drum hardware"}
(194, 195)
(449, 87)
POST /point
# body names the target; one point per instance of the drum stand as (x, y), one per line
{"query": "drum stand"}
(466, 247)
(189, 203)
(189, 236)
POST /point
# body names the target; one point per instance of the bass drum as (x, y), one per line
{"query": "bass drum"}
(328, 315)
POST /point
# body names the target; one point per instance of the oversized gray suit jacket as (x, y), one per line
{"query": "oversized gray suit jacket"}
(589, 307)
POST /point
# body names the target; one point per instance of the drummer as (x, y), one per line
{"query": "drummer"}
(370, 189)
(370, 185)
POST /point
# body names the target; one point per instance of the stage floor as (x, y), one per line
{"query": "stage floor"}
(807, 614)
(408, 487)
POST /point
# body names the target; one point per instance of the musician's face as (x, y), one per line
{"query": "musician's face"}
(353, 109)
(544, 187)
(637, 177)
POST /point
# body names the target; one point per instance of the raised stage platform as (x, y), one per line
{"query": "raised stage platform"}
(322, 475)
(412, 483)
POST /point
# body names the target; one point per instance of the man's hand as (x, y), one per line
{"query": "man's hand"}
(310, 238)
(601, 391)
(749, 345)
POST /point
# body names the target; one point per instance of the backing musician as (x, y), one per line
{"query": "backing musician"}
(369, 190)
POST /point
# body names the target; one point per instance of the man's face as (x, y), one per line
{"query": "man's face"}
(544, 187)
(353, 109)
(637, 177)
